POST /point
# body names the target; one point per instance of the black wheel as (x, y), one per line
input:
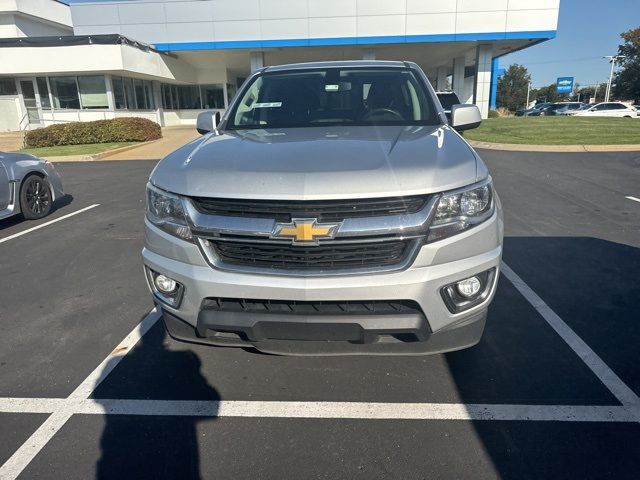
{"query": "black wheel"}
(35, 197)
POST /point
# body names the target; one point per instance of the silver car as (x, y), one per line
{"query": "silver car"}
(332, 210)
(28, 185)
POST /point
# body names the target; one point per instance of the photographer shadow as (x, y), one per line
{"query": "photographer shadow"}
(153, 446)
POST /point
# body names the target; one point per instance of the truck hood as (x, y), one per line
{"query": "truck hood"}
(320, 163)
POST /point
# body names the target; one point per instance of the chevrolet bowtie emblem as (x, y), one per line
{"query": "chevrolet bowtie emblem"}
(305, 230)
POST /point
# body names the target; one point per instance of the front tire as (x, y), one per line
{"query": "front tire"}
(35, 197)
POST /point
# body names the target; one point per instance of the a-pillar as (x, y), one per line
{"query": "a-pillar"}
(482, 89)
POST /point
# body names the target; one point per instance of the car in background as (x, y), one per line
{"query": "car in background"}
(561, 108)
(28, 185)
(609, 109)
(533, 111)
(448, 100)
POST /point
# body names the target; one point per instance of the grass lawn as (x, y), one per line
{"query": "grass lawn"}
(558, 131)
(87, 149)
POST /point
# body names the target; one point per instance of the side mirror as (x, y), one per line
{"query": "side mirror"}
(207, 121)
(465, 117)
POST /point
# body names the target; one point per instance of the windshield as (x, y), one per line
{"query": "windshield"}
(334, 96)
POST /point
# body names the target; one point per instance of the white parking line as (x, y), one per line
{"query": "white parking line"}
(28, 230)
(29, 449)
(79, 403)
(633, 198)
(319, 410)
(616, 386)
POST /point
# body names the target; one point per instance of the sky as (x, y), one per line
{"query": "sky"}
(587, 31)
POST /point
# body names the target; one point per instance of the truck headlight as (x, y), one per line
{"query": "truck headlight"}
(462, 209)
(166, 212)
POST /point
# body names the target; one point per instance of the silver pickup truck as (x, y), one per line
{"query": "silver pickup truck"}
(333, 209)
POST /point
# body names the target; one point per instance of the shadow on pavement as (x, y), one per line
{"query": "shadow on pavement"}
(154, 447)
(593, 286)
(18, 219)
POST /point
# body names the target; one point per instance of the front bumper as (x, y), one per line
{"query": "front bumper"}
(438, 330)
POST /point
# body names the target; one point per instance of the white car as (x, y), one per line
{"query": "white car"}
(609, 109)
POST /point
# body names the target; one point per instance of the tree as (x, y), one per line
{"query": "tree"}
(512, 87)
(586, 93)
(548, 94)
(627, 80)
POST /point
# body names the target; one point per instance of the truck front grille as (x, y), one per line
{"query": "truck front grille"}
(323, 210)
(332, 256)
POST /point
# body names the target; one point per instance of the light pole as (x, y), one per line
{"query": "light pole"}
(528, 92)
(612, 59)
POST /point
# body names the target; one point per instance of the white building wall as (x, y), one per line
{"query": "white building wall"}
(34, 18)
(178, 21)
(33, 27)
(9, 113)
(483, 78)
(8, 28)
(83, 59)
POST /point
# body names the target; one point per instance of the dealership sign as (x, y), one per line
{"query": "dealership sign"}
(565, 85)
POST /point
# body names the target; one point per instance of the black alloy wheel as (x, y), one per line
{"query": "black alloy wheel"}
(35, 197)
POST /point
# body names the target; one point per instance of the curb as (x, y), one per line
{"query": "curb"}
(96, 156)
(514, 147)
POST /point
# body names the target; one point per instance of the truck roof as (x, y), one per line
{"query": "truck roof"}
(336, 64)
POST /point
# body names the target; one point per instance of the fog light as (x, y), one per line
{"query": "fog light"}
(469, 287)
(165, 284)
(165, 289)
(468, 293)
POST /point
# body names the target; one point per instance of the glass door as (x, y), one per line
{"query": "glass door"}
(31, 101)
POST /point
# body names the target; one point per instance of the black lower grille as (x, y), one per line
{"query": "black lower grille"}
(332, 256)
(376, 307)
(323, 210)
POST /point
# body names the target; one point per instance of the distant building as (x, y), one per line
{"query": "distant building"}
(167, 59)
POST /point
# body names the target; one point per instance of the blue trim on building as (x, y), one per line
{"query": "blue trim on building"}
(496, 73)
(314, 42)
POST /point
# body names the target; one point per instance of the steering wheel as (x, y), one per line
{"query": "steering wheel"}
(377, 111)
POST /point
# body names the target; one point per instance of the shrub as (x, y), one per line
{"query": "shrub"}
(494, 114)
(128, 129)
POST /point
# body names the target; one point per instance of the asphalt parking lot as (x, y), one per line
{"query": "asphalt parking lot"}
(90, 387)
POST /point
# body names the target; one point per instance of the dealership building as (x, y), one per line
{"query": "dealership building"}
(167, 59)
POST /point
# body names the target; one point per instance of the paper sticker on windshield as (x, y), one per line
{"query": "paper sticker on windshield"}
(331, 88)
(268, 105)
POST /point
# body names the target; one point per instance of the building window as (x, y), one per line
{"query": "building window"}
(129, 93)
(87, 92)
(65, 92)
(192, 97)
(141, 98)
(174, 97)
(189, 96)
(118, 93)
(8, 86)
(43, 91)
(132, 94)
(93, 92)
(212, 96)
(166, 97)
